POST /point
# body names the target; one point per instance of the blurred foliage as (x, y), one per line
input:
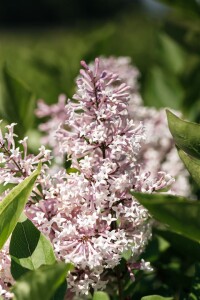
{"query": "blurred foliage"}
(48, 62)
(17, 103)
(175, 71)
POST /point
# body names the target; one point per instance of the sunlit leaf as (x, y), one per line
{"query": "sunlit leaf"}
(186, 134)
(192, 164)
(13, 204)
(42, 283)
(29, 248)
(18, 102)
(100, 296)
(127, 254)
(72, 170)
(156, 297)
(182, 215)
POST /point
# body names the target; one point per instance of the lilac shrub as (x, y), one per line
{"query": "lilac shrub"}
(89, 215)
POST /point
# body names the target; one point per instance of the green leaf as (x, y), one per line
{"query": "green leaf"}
(195, 292)
(29, 248)
(127, 254)
(182, 215)
(156, 297)
(18, 102)
(162, 89)
(61, 291)
(72, 170)
(100, 296)
(192, 164)
(181, 244)
(42, 283)
(13, 204)
(186, 134)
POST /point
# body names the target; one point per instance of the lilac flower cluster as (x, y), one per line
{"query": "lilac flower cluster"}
(97, 219)
(89, 215)
(16, 164)
(158, 152)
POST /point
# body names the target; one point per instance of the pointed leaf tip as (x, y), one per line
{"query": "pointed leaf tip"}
(192, 164)
(13, 205)
(186, 134)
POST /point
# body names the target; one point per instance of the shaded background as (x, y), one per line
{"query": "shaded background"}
(58, 12)
(41, 44)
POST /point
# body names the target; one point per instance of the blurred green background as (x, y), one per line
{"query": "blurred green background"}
(41, 45)
(42, 42)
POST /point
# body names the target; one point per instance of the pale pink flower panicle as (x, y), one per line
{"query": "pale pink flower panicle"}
(89, 215)
(97, 218)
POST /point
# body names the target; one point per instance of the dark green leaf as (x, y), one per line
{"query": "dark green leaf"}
(192, 164)
(17, 270)
(61, 291)
(18, 102)
(13, 204)
(42, 283)
(29, 248)
(181, 244)
(182, 215)
(186, 134)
